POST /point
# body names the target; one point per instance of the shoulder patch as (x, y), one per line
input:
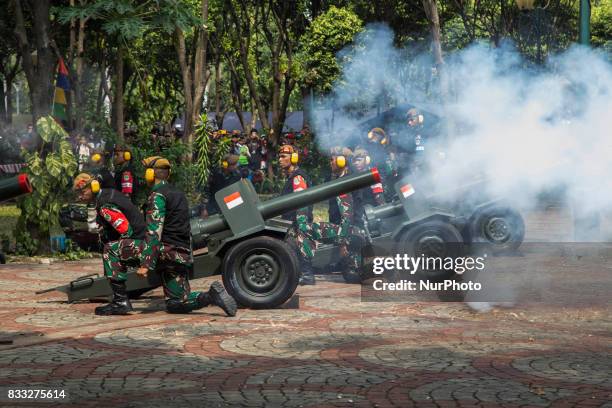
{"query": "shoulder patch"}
(299, 183)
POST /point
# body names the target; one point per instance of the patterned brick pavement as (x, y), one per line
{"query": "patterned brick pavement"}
(334, 351)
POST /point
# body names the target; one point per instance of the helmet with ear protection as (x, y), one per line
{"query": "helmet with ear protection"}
(95, 186)
(289, 149)
(151, 163)
(378, 135)
(341, 161)
(96, 157)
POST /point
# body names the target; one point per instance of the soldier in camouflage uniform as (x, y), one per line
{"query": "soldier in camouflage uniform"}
(122, 231)
(301, 233)
(342, 230)
(168, 245)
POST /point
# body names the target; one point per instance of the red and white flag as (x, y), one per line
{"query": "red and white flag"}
(233, 200)
(407, 190)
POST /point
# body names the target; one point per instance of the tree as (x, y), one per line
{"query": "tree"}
(195, 73)
(35, 46)
(10, 65)
(50, 170)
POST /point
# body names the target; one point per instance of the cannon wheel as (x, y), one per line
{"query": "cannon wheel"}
(434, 238)
(501, 229)
(261, 272)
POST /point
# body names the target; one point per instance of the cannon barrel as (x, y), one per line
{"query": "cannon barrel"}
(14, 186)
(384, 211)
(290, 202)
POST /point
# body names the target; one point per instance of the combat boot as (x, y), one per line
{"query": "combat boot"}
(120, 305)
(307, 274)
(218, 296)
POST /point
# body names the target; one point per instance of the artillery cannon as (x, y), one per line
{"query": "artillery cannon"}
(439, 225)
(11, 188)
(244, 244)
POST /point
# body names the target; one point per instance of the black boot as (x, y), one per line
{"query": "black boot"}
(306, 273)
(218, 296)
(120, 305)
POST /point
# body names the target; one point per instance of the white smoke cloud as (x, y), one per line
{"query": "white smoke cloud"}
(526, 129)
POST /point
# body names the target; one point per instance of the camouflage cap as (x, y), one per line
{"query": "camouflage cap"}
(231, 159)
(360, 152)
(156, 162)
(341, 151)
(81, 181)
(287, 149)
(122, 148)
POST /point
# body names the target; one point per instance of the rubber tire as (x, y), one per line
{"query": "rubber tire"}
(281, 253)
(137, 293)
(478, 235)
(447, 233)
(352, 277)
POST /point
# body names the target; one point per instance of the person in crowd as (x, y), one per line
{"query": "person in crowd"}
(83, 152)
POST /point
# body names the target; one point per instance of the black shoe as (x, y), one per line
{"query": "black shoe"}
(120, 305)
(218, 296)
(307, 275)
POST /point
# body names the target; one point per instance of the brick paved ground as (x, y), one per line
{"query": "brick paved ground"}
(334, 351)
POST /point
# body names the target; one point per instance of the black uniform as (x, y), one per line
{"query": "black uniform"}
(218, 181)
(126, 181)
(297, 181)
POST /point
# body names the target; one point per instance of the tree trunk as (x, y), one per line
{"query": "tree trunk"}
(219, 111)
(431, 10)
(79, 97)
(118, 99)
(3, 108)
(307, 103)
(40, 71)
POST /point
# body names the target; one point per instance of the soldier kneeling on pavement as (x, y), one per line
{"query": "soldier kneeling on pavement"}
(168, 245)
(122, 232)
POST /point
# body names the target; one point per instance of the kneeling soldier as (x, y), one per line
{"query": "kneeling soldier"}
(122, 233)
(168, 245)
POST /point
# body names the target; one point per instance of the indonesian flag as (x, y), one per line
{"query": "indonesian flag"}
(233, 200)
(407, 190)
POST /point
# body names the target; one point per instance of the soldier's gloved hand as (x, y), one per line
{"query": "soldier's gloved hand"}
(142, 272)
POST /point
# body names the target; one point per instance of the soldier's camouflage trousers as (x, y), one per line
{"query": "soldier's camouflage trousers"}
(302, 238)
(174, 265)
(116, 255)
(339, 235)
(306, 236)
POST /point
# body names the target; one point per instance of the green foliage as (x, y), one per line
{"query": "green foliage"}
(208, 153)
(50, 171)
(601, 24)
(328, 34)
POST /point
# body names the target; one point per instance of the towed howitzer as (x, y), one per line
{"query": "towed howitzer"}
(14, 187)
(451, 221)
(245, 244)
(11, 188)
